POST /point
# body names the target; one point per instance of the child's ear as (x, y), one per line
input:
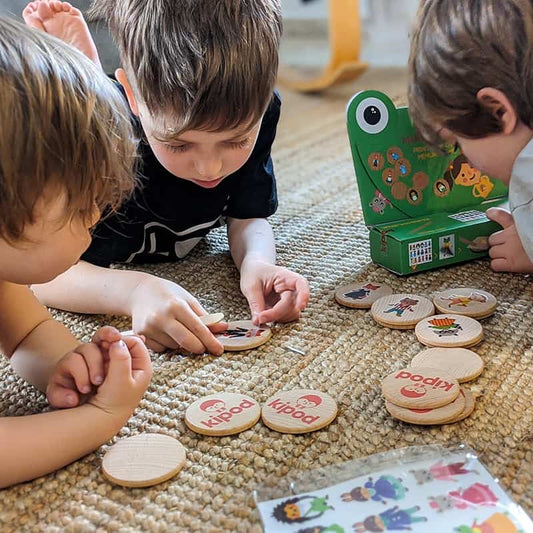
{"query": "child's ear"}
(120, 74)
(497, 103)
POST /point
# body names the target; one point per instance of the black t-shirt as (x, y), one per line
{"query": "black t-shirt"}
(167, 216)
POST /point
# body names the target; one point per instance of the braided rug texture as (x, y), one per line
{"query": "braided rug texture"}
(320, 232)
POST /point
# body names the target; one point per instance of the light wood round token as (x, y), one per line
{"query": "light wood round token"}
(427, 417)
(401, 311)
(243, 335)
(215, 318)
(222, 414)
(449, 331)
(143, 460)
(474, 303)
(464, 365)
(470, 404)
(361, 295)
(420, 388)
(299, 411)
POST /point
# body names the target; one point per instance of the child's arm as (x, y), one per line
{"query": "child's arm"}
(275, 294)
(162, 311)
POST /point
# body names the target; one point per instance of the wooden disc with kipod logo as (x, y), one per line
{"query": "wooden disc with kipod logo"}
(464, 365)
(426, 417)
(420, 388)
(449, 331)
(474, 303)
(243, 335)
(361, 295)
(470, 404)
(401, 311)
(299, 411)
(225, 413)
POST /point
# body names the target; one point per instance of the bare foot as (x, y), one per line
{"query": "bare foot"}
(63, 21)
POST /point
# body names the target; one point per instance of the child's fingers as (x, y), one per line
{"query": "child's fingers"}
(76, 368)
(119, 370)
(499, 265)
(219, 327)
(500, 216)
(107, 334)
(94, 359)
(198, 334)
(284, 310)
(62, 394)
(256, 301)
(140, 358)
(302, 293)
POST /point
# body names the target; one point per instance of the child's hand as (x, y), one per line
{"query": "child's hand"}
(167, 315)
(506, 250)
(80, 370)
(274, 293)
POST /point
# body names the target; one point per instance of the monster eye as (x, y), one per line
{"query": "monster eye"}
(372, 115)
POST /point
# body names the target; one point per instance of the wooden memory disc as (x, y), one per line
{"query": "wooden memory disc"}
(464, 301)
(299, 411)
(215, 318)
(225, 413)
(427, 417)
(361, 295)
(464, 365)
(143, 460)
(401, 311)
(243, 335)
(449, 331)
(420, 388)
(470, 404)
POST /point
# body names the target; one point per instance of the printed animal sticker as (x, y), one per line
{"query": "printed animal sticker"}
(446, 246)
(363, 292)
(383, 489)
(376, 161)
(445, 327)
(394, 519)
(405, 304)
(301, 509)
(497, 523)
(442, 472)
(242, 333)
(464, 301)
(473, 496)
(379, 203)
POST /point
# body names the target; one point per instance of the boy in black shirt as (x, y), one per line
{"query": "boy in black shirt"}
(199, 78)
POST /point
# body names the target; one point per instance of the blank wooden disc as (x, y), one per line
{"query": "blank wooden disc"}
(224, 413)
(420, 388)
(449, 331)
(243, 335)
(470, 404)
(427, 417)
(361, 295)
(474, 303)
(299, 411)
(401, 311)
(464, 365)
(215, 318)
(143, 460)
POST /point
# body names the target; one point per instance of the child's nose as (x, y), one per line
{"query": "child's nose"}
(209, 167)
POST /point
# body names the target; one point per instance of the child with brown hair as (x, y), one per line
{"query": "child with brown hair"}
(199, 79)
(470, 83)
(66, 153)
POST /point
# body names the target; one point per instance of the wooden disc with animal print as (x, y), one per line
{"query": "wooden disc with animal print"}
(401, 311)
(420, 388)
(449, 331)
(361, 295)
(474, 303)
(243, 335)
(461, 363)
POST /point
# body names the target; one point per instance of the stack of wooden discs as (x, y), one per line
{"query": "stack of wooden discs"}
(429, 392)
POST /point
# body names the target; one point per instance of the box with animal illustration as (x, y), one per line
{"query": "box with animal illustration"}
(424, 209)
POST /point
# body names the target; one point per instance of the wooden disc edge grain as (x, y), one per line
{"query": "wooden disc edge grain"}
(221, 432)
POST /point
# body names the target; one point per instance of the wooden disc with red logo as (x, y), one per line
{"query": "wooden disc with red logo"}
(225, 413)
(420, 388)
(298, 411)
(470, 404)
(449, 331)
(243, 335)
(361, 295)
(401, 311)
(474, 303)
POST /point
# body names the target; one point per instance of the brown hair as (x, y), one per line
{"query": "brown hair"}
(461, 46)
(63, 129)
(208, 64)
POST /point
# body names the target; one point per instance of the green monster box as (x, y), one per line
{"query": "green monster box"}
(424, 209)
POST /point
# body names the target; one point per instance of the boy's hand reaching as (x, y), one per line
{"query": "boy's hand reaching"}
(274, 293)
(506, 250)
(168, 316)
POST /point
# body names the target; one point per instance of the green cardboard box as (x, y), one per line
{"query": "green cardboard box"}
(424, 209)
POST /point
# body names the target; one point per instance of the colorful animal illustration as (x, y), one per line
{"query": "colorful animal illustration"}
(242, 332)
(464, 301)
(497, 523)
(441, 471)
(475, 495)
(383, 489)
(446, 248)
(405, 304)
(334, 528)
(362, 293)
(292, 511)
(463, 173)
(394, 519)
(379, 203)
(445, 327)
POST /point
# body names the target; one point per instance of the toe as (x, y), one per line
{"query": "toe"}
(44, 10)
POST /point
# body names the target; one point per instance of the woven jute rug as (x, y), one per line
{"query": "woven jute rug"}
(320, 233)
